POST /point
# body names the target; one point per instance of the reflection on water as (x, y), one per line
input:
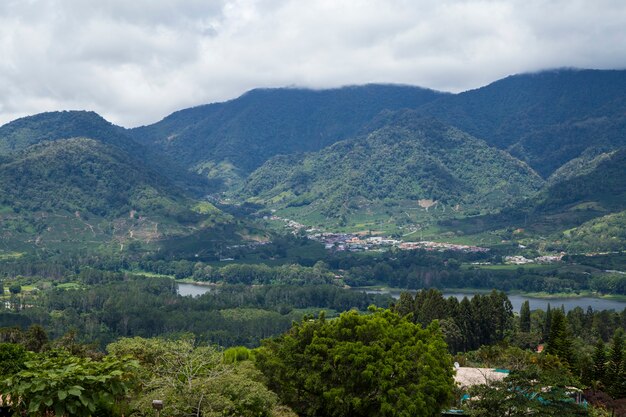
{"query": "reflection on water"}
(194, 290)
(535, 303)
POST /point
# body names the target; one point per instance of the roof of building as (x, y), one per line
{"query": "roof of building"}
(467, 377)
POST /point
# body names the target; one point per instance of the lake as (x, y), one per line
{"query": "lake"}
(535, 303)
(196, 290)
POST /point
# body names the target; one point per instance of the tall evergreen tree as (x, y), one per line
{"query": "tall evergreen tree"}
(524, 317)
(599, 362)
(559, 338)
(615, 376)
(548, 323)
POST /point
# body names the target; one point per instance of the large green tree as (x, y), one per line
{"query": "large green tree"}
(58, 383)
(194, 380)
(560, 338)
(524, 317)
(615, 379)
(376, 364)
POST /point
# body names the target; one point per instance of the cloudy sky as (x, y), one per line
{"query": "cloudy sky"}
(135, 61)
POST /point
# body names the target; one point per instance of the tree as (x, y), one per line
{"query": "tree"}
(359, 365)
(599, 362)
(524, 317)
(559, 338)
(548, 323)
(194, 381)
(35, 338)
(12, 359)
(615, 376)
(532, 391)
(57, 382)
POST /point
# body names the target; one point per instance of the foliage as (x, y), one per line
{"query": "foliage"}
(559, 338)
(359, 365)
(228, 140)
(194, 380)
(403, 158)
(525, 317)
(615, 373)
(59, 383)
(12, 359)
(462, 322)
(532, 391)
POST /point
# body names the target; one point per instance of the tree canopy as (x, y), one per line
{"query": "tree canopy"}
(378, 364)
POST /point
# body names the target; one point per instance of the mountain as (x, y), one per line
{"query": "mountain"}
(405, 162)
(45, 127)
(51, 126)
(85, 175)
(81, 192)
(581, 191)
(545, 118)
(227, 141)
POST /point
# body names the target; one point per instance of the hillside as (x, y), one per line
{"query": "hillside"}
(85, 175)
(602, 234)
(405, 159)
(81, 190)
(47, 127)
(545, 118)
(227, 141)
(577, 195)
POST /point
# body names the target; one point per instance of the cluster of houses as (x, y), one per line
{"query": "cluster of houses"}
(521, 260)
(352, 242)
(441, 246)
(355, 243)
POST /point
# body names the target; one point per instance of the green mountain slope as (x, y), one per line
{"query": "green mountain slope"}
(600, 182)
(581, 191)
(228, 140)
(602, 234)
(405, 159)
(84, 191)
(46, 127)
(85, 175)
(545, 118)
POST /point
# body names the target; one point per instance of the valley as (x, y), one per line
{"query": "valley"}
(479, 226)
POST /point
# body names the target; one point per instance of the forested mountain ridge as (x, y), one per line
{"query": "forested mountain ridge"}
(349, 151)
(79, 174)
(584, 197)
(229, 140)
(81, 190)
(47, 127)
(544, 118)
(405, 158)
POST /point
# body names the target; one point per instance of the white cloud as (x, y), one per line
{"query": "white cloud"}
(136, 61)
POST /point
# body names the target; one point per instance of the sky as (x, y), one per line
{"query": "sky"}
(136, 61)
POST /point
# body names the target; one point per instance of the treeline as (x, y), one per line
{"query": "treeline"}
(248, 274)
(486, 319)
(466, 324)
(415, 269)
(117, 305)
